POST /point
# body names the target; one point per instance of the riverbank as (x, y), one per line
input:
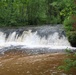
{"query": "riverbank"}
(22, 64)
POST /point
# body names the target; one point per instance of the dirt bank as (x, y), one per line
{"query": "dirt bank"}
(22, 64)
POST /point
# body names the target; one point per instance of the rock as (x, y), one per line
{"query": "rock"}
(72, 38)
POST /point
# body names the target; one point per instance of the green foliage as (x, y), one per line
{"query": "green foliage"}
(68, 11)
(66, 8)
(12, 12)
(28, 12)
(70, 62)
(69, 8)
(35, 12)
(68, 22)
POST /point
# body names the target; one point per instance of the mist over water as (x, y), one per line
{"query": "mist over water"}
(51, 37)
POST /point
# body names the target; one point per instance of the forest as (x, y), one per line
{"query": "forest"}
(35, 12)
(20, 13)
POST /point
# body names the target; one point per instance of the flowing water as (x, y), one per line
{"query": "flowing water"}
(17, 46)
(34, 39)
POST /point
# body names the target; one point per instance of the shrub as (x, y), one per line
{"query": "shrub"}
(70, 62)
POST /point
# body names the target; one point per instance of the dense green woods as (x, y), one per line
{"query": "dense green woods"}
(27, 12)
(30, 12)
(12, 12)
(35, 12)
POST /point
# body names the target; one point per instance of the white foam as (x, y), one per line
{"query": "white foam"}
(33, 40)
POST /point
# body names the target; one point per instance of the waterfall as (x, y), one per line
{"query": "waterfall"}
(34, 37)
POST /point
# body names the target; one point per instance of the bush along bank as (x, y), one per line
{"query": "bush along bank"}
(70, 28)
